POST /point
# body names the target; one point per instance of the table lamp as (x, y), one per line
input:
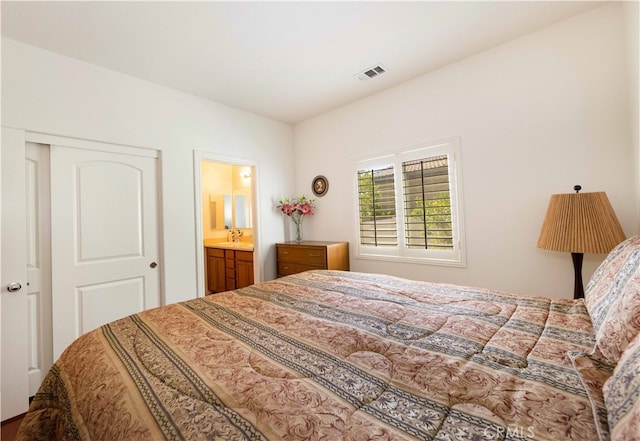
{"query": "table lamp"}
(580, 223)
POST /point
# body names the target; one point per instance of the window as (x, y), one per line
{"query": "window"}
(409, 205)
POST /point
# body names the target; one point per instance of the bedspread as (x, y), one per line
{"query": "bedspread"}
(328, 355)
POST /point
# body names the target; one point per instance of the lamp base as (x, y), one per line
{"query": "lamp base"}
(578, 290)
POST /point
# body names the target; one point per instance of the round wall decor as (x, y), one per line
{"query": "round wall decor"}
(320, 185)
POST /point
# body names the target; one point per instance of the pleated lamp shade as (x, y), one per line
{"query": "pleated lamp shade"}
(580, 223)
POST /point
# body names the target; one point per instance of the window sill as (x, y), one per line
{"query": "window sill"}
(458, 263)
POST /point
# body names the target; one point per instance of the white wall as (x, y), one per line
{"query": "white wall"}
(535, 116)
(631, 12)
(48, 93)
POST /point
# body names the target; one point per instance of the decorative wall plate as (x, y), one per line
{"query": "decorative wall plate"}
(320, 185)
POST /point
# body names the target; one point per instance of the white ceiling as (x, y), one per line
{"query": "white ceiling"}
(284, 60)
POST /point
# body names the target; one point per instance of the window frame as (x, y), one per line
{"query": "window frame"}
(400, 253)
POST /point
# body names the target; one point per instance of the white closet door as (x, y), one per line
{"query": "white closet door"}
(104, 222)
(38, 196)
(13, 305)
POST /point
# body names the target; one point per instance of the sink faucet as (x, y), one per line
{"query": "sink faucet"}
(236, 234)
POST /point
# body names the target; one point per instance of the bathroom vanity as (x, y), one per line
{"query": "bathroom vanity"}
(229, 265)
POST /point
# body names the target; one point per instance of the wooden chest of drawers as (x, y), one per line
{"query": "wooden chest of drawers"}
(295, 257)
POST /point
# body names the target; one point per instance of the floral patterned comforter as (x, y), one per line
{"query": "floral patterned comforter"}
(328, 355)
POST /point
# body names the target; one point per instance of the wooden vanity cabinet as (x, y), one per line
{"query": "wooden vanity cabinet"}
(228, 269)
(215, 270)
(244, 268)
(296, 257)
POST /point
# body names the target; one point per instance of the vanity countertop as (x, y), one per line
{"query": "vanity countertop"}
(215, 243)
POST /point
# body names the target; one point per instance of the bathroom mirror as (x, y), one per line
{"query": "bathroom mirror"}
(228, 212)
(242, 208)
(220, 212)
(226, 197)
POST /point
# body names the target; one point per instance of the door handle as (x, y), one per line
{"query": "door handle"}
(14, 286)
(153, 265)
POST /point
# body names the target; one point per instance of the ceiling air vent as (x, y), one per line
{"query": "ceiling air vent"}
(372, 72)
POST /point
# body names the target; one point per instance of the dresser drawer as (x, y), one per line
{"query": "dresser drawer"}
(287, 268)
(296, 257)
(306, 254)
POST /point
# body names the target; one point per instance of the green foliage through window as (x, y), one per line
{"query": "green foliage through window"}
(376, 196)
(427, 203)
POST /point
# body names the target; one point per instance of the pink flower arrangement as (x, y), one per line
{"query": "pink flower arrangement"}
(297, 208)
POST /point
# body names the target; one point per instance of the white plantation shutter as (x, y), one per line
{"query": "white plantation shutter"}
(377, 202)
(427, 203)
(409, 206)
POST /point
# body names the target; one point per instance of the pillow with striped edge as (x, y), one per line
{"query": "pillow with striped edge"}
(612, 298)
(622, 395)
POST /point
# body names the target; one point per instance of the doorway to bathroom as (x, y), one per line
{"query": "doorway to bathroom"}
(226, 223)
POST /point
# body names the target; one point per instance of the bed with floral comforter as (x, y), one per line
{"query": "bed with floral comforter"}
(329, 355)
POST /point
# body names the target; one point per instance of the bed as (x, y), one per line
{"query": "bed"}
(331, 355)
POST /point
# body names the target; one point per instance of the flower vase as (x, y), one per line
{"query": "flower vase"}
(298, 230)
